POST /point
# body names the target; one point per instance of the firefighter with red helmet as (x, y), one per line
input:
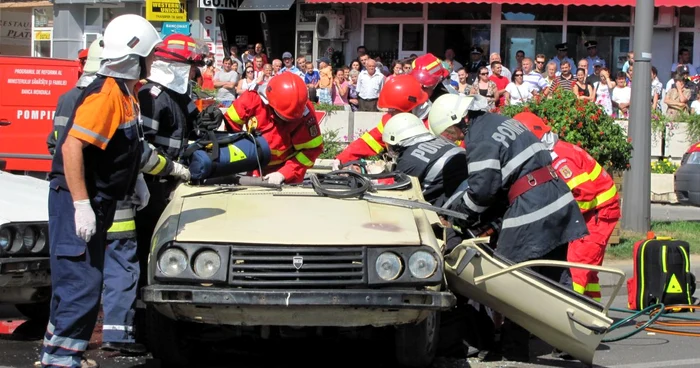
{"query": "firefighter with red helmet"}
(280, 110)
(402, 93)
(596, 195)
(430, 72)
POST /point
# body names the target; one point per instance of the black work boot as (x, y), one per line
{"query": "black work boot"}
(129, 348)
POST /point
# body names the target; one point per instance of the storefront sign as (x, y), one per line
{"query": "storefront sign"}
(165, 11)
(175, 27)
(218, 4)
(42, 35)
(15, 28)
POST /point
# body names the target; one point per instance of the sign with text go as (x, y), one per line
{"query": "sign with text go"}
(218, 4)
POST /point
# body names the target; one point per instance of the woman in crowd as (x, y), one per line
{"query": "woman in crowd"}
(485, 87)
(677, 98)
(352, 91)
(463, 86)
(602, 91)
(339, 91)
(208, 75)
(248, 83)
(518, 92)
(581, 89)
(355, 65)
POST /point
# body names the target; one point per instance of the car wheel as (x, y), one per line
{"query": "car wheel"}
(165, 340)
(38, 312)
(416, 344)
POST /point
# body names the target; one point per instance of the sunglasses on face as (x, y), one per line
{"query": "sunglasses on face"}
(248, 71)
(483, 73)
(540, 62)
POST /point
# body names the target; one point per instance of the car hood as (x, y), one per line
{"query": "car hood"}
(295, 216)
(23, 198)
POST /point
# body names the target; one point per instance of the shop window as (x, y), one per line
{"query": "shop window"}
(620, 14)
(42, 43)
(382, 40)
(43, 17)
(394, 10)
(93, 17)
(687, 17)
(531, 12)
(459, 11)
(685, 41)
(459, 38)
(612, 44)
(531, 39)
(412, 39)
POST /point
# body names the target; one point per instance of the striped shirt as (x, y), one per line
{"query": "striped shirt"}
(565, 84)
(535, 80)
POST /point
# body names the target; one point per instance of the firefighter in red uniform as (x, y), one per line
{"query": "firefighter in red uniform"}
(402, 93)
(282, 113)
(597, 197)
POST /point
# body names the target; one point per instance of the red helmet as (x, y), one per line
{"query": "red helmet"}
(428, 70)
(533, 122)
(287, 94)
(180, 48)
(83, 54)
(401, 92)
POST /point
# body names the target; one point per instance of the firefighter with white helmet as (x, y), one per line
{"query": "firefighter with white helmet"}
(507, 163)
(439, 165)
(96, 164)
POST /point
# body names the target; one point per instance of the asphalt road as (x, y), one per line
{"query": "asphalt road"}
(674, 212)
(645, 350)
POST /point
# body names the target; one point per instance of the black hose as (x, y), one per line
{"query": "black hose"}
(340, 184)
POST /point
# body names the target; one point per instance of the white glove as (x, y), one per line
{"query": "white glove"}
(85, 223)
(180, 171)
(141, 192)
(336, 165)
(274, 178)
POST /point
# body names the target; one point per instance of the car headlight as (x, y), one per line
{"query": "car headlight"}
(41, 240)
(172, 262)
(422, 264)
(5, 239)
(207, 264)
(388, 266)
(29, 236)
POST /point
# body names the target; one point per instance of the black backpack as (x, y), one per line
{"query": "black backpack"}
(661, 274)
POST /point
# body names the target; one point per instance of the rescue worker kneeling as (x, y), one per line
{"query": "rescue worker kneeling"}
(596, 195)
(506, 160)
(281, 111)
(437, 163)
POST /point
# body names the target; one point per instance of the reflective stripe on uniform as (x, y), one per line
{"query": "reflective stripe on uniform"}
(233, 115)
(437, 167)
(472, 206)
(122, 226)
(279, 153)
(310, 144)
(461, 189)
(158, 167)
(579, 288)
(483, 165)
(578, 180)
(60, 121)
(596, 172)
(599, 199)
(118, 328)
(151, 123)
(301, 157)
(372, 143)
(124, 214)
(90, 133)
(520, 159)
(380, 127)
(66, 343)
(540, 214)
(168, 141)
(128, 124)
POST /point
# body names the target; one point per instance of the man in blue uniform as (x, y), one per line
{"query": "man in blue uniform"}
(506, 162)
(593, 58)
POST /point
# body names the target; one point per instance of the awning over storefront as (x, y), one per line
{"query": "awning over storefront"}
(24, 4)
(692, 3)
(263, 5)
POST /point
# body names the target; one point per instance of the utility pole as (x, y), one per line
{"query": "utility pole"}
(636, 206)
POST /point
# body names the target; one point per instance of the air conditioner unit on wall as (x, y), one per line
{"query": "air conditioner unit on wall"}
(330, 26)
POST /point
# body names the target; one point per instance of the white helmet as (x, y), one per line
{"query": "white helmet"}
(448, 110)
(129, 34)
(94, 58)
(402, 127)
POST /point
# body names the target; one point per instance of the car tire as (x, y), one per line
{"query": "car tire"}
(38, 312)
(416, 344)
(165, 341)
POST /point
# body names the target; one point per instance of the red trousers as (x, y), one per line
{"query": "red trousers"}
(590, 250)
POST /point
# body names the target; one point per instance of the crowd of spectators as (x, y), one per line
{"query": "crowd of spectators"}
(356, 86)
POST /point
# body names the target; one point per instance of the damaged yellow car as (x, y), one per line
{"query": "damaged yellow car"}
(340, 251)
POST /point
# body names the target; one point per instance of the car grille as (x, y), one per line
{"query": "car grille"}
(297, 267)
